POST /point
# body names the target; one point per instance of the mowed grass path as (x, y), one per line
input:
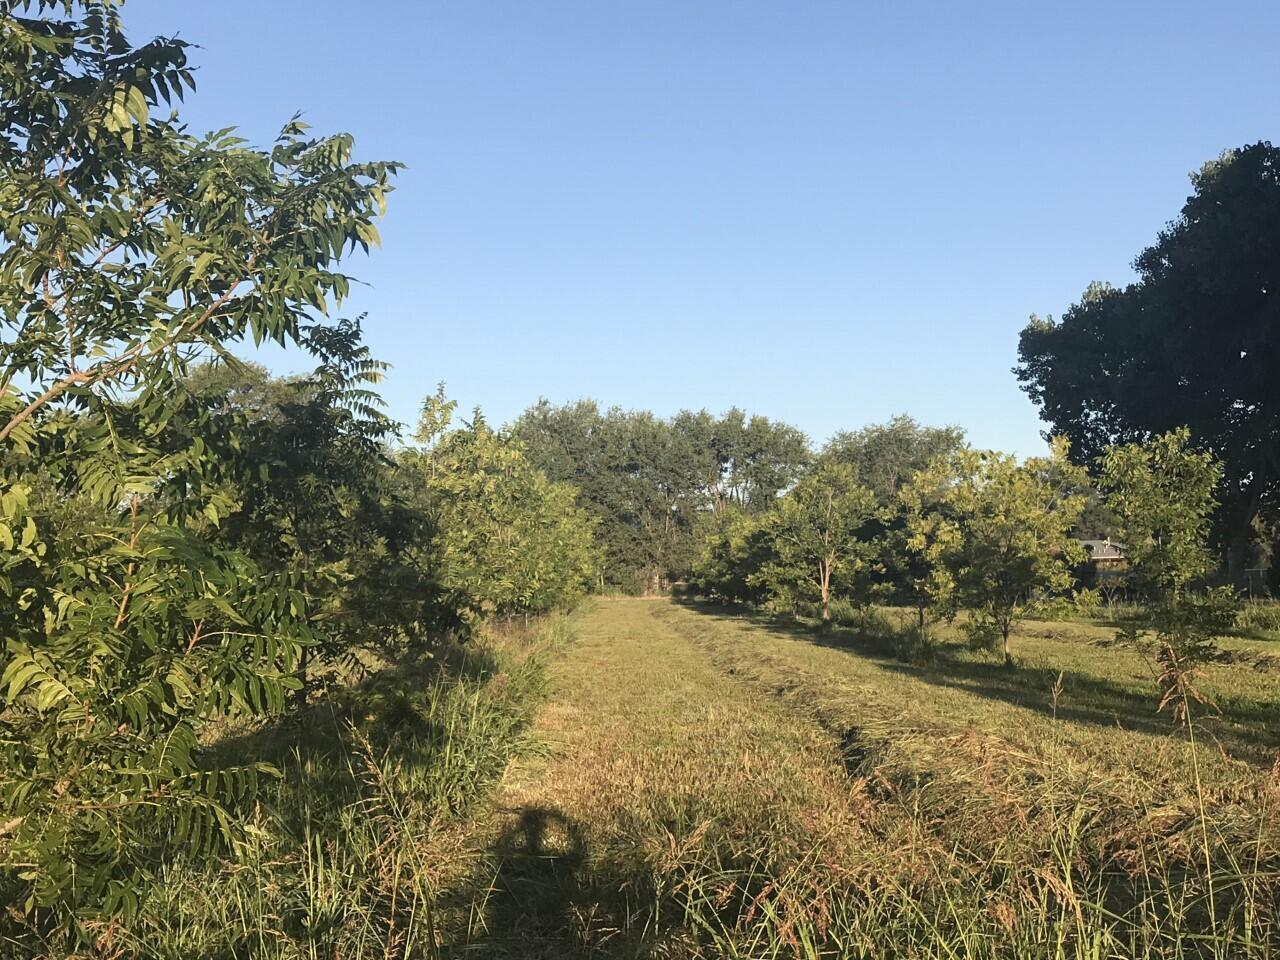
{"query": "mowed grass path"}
(715, 785)
(664, 782)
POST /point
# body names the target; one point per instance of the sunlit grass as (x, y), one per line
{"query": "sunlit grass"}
(654, 779)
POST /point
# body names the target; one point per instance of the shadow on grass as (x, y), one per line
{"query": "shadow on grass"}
(384, 707)
(1245, 729)
(543, 899)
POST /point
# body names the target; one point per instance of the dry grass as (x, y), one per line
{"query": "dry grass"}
(719, 786)
(700, 783)
(657, 763)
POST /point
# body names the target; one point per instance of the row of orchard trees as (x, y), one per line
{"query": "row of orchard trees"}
(939, 526)
(179, 533)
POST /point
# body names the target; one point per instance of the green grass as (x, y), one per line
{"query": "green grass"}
(349, 854)
(662, 779)
(1044, 811)
(718, 785)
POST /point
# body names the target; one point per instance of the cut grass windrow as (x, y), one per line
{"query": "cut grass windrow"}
(716, 786)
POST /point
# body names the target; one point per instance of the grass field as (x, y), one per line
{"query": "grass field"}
(655, 778)
(718, 785)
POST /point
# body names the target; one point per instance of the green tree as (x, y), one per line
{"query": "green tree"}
(1011, 543)
(920, 538)
(744, 462)
(507, 539)
(641, 478)
(734, 547)
(1192, 342)
(887, 455)
(649, 480)
(815, 533)
(317, 495)
(130, 246)
(1163, 493)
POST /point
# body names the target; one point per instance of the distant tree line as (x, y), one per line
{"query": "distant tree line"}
(649, 481)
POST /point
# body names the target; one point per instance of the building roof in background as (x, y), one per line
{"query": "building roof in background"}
(1103, 549)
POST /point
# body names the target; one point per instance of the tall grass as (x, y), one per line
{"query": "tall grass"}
(937, 896)
(348, 854)
(707, 801)
(977, 846)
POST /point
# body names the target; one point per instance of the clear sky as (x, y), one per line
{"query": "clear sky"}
(827, 212)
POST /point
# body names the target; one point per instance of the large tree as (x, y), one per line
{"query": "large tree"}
(1192, 342)
(649, 480)
(129, 246)
(744, 461)
(887, 455)
(316, 492)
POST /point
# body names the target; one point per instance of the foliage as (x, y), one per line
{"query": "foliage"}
(734, 548)
(508, 540)
(129, 246)
(345, 855)
(816, 534)
(1009, 542)
(1163, 493)
(318, 494)
(887, 455)
(649, 481)
(1191, 343)
(743, 462)
(919, 545)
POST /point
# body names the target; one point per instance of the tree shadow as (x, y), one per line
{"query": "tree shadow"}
(1244, 728)
(381, 707)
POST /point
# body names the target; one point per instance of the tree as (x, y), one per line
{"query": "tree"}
(919, 541)
(887, 455)
(649, 480)
(745, 462)
(815, 536)
(735, 546)
(1191, 343)
(1011, 542)
(507, 539)
(1163, 493)
(316, 495)
(129, 247)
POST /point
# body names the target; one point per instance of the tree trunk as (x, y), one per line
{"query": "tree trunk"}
(826, 595)
(300, 695)
(1004, 633)
(1237, 559)
(1273, 567)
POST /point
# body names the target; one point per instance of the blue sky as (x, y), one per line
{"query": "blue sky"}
(825, 212)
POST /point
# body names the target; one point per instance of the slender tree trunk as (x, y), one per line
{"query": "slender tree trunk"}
(1242, 537)
(300, 695)
(1273, 567)
(826, 593)
(1004, 633)
(304, 657)
(1237, 559)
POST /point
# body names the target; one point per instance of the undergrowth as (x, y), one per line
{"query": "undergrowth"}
(347, 854)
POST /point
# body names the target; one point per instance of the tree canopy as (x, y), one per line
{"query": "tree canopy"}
(1191, 343)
